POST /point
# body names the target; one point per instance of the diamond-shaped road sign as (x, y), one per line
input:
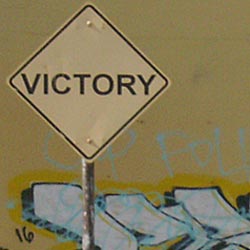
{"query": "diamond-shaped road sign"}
(89, 82)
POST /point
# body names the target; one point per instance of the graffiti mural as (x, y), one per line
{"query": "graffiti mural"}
(189, 218)
(204, 212)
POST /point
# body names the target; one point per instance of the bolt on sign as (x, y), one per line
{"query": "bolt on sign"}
(89, 82)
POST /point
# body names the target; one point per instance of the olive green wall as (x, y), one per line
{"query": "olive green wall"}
(196, 135)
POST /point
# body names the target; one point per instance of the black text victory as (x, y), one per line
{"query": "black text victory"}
(101, 84)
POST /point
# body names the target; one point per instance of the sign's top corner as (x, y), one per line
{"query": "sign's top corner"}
(90, 6)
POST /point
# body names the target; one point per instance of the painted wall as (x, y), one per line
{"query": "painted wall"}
(177, 177)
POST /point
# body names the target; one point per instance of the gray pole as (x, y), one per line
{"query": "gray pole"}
(88, 187)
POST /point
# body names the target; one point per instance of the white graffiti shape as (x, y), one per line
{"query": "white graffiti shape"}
(196, 231)
(198, 218)
(111, 235)
(135, 212)
(209, 207)
(61, 205)
(240, 240)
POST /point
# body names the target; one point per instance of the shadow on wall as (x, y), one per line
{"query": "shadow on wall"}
(192, 218)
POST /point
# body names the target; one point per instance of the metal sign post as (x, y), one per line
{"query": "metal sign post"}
(88, 187)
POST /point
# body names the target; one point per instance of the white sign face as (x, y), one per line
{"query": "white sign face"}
(89, 82)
